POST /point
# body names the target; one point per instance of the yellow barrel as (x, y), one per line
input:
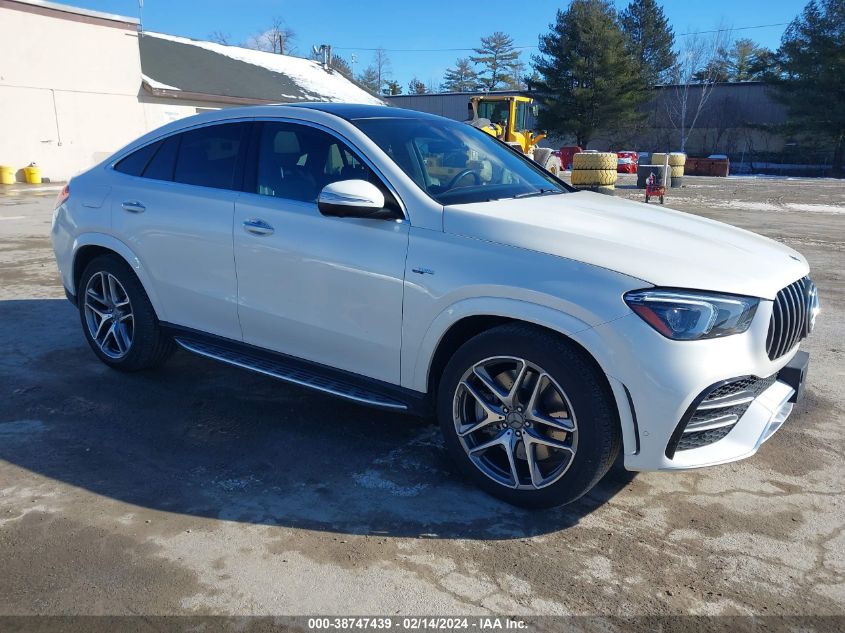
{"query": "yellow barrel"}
(7, 175)
(32, 174)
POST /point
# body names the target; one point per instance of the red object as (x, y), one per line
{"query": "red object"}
(654, 191)
(720, 167)
(627, 163)
(64, 194)
(566, 153)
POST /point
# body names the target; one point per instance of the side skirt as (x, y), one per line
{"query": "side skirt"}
(346, 385)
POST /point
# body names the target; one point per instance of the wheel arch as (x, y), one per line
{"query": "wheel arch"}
(466, 324)
(462, 320)
(89, 246)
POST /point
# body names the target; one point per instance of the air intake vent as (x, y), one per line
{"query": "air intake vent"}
(792, 317)
(718, 410)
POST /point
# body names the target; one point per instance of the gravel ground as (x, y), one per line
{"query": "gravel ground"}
(202, 489)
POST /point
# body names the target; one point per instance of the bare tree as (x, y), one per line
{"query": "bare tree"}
(381, 64)
(694, 76)
(276, 39)
(219, 37)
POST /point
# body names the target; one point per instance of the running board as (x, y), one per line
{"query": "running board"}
(289, 371)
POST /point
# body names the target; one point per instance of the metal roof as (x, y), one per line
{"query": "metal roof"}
(178, 67)
(66, 8)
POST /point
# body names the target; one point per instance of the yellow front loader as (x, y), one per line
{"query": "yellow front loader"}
(503, 116)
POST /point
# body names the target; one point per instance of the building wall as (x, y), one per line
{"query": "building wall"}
(452, 105)
(738, 119)
(159, 111)
(68, 88)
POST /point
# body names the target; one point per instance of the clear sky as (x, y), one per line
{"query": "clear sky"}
(353, 26)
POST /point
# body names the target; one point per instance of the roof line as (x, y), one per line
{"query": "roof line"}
(51, 7)
(204, 96)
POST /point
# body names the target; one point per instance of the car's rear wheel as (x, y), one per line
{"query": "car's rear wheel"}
(118, 319)
(528, 416)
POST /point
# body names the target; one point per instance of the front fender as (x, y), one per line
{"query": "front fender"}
(110, 242)
(485, 306)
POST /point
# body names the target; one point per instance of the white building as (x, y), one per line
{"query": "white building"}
(75, 85)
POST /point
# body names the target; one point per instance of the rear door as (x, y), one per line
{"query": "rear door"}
(324, 289)
(176, 215)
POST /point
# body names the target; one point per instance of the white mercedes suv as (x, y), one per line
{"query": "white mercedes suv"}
(416, 264)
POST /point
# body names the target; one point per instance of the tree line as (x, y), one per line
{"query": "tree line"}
(596, 69)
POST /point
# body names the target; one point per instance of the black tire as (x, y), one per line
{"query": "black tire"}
(150, 346)
(677, 181)
(599, 436)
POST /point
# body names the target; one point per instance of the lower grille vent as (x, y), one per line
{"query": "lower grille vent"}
(717, 413)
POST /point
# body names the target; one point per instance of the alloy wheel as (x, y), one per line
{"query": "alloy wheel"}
(515, 423)
(108, 315)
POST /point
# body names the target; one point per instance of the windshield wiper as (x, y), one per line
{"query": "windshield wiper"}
(541, 192)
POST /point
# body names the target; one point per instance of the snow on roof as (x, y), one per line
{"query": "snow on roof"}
(168, 64)
(157, 84)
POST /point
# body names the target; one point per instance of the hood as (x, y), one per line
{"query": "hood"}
(658, 245)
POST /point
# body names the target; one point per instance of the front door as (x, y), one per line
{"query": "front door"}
(327, 290)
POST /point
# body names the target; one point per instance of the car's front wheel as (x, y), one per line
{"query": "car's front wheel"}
(118, 319)
(528, 416)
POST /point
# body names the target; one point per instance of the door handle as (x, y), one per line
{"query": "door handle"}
(258, 227)
(133, 206)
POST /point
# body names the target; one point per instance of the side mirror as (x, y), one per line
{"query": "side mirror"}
(351, 199)
(535, 110)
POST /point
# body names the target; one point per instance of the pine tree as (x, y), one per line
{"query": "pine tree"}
(369, 79)
(416, 87)
(461, 78)
(743, 61)
(811, 81)
(497, 58)
(650, 39)
(589, 81)
(341, 65)
(393, 88)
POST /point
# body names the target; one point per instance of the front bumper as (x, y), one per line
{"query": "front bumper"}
(656, 382)
(765, 415)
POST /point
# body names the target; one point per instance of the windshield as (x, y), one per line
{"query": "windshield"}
(455, 163)
(495, 111)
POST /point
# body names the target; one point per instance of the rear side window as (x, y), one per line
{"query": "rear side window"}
(135, 163)
(161, 165)
(207, 156)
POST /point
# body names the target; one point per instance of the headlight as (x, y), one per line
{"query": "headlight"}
(686, 316)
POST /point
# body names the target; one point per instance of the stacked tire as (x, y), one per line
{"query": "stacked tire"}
(548, 160)
(595, 171)
(677, 160)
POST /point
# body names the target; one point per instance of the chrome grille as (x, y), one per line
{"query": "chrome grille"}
(792, 316)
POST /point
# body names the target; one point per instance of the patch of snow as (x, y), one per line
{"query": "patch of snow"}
(307, 74)
(236, 483)
(157, 84)
(815, 208)
(747, 205)
(22, 427)
(373, 480)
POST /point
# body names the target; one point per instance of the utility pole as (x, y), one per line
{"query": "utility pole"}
(324, 52)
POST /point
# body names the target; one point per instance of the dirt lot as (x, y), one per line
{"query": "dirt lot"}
(205, 489)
